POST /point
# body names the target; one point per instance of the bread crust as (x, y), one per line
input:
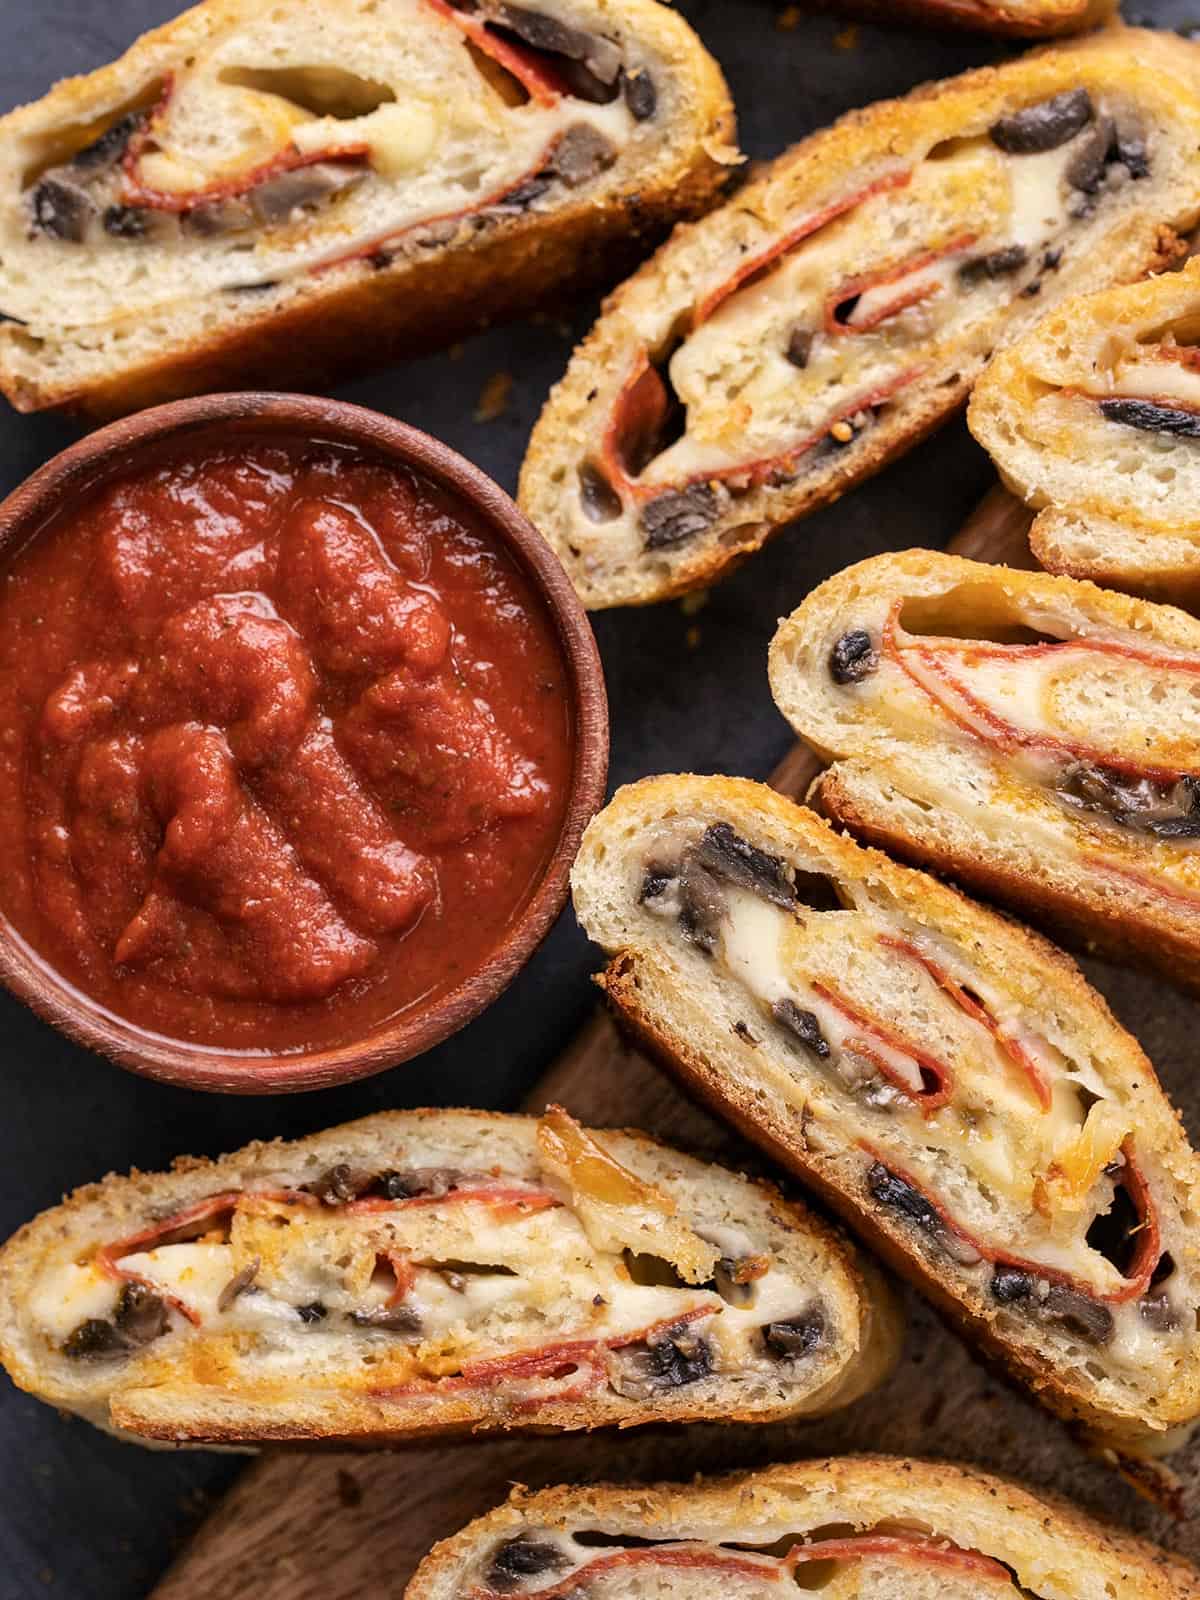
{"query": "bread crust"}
(1091, 525)
(1046, 1539)
(178, 1414)
(1157, 932)
(350, 317)
(639, 987)
(870, 144)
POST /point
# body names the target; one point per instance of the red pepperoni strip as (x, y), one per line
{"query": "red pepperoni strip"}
(875, 280)
(550, 1361)
(137, 193)
(641, 400)
(382, 241)
(978, 1011)
(1006, 734)
(929, 1099)
(518, 1202)
(738, 1563)
(757, 263)
(536, 76)
(1146, 1258)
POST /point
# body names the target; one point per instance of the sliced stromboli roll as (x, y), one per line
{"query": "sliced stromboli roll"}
(946, 1079)
(1035, 736)
(419, 1273)
(854, 1528)
(1023, 19)
(265, 190)
(838, 307)
(1094, 415)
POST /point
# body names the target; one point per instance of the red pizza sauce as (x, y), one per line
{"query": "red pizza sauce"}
(284, 744)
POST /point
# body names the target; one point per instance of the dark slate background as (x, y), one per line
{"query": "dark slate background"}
(84, 1517)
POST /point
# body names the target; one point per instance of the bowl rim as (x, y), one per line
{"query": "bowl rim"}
(115, 449)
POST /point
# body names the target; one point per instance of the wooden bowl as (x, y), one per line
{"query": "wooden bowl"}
(120, 447)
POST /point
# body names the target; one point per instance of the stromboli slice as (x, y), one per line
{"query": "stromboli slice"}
(277, 190)
(838, 307)
(1094, 415)
(1035, 736)
(854, 1528)
(418, 1273)
(946, 1079)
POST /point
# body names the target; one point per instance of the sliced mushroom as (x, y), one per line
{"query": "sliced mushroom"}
(392, 1319)
(997, 264)
(726, 853)
(238, 1285)
(1044, 126)
(1143, 805)
(520, 1558)
(799, 347)
(853, 657)
(1149, 417)
(61, 208)
(798, 1336)
(679, 515)
(282, 198)
(668, 1361)
(897, 1195)
(802, 1025)
(641, 96)
(582, 153)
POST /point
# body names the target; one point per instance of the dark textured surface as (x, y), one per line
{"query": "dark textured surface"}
(84, 1517)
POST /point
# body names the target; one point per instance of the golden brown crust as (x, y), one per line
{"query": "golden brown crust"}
(349, 318)
(1041, 1533)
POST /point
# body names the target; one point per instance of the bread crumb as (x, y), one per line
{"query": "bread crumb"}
(493, 398)
(696, 601)
(847, 39)
(788, 18)
(455, 352)
(692, 638)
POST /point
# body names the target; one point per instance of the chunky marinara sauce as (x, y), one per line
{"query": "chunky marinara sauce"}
(284, 744)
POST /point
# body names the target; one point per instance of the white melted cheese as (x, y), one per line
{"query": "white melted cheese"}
(66, 1296)
(1040, 195)
(746, 403)
(994, 1148)
(1147, 380)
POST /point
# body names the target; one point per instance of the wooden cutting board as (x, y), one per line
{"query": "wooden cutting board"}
(337, 1526)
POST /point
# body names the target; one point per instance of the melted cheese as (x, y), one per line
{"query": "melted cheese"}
(994, 1126)
(1078, 701)
(745, 401)
(1165, 380)
(68, 1295)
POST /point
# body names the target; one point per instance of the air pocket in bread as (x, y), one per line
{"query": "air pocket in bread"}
(853, 1528)
(1094, 416)
(428, 1272)
(272, 191)
(946, 1079)
(1036, 737)
(838, 307)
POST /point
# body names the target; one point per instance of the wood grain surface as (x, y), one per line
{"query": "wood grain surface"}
(338, 1526)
